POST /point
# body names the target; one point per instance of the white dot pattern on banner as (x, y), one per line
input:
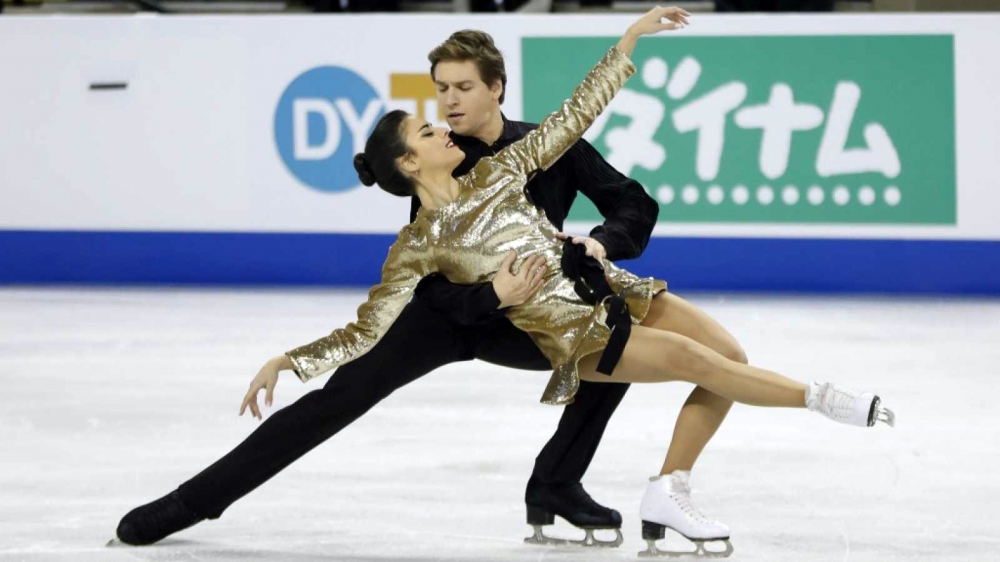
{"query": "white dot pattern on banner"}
(690, 195)
(866, 195)
(654, 73)
(841, 195)
(816, 195)
(765, 195)
(716, 194)
(893, 195)
(665, 194)
(741, 195)
(790, 195)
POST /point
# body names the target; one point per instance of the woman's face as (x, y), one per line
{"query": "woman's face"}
(432, 151)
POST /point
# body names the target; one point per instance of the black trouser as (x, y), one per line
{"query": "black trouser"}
(418, 342)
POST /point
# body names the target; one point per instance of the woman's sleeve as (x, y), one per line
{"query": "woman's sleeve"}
(405, 266)
(540, 148)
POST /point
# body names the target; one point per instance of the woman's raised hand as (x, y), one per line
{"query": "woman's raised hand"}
(266, 379)
(650, 23)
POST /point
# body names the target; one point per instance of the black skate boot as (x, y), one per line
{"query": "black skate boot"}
(154, 521)
(574, 504)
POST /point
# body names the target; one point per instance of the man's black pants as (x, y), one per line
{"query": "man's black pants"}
(419, 342)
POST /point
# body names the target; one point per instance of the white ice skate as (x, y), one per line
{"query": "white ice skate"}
(844, 406)
(667, 504)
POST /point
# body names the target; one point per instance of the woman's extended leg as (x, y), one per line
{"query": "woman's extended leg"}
(654, 355)
(679, 342)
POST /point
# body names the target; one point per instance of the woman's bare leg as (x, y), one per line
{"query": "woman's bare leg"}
(656, 355)
(659, 356)
(704, 411)
(697, 422)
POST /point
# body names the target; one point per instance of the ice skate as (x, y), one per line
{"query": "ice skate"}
(845, 406)
(154, 521)
(572, 503)
(667, 505)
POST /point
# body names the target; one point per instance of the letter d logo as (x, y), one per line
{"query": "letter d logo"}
(322, 121)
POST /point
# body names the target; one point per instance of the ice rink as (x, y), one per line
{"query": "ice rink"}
(114, 397)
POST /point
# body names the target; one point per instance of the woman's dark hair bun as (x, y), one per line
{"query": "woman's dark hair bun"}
(379, 161)
(364, 170)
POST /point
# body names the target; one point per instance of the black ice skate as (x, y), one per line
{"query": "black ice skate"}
(154, 521)
(574, 504)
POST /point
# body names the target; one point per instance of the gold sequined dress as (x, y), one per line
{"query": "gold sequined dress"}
(467, 240)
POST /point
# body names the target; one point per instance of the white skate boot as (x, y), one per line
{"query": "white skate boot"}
(844, 406)
(667, 503)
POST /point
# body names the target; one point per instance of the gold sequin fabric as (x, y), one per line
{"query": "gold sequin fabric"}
(467, 240)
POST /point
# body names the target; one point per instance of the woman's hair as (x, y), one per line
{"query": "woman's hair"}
(478, 47)
(377, 164)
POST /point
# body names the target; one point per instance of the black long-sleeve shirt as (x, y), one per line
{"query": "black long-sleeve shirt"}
(629, 213)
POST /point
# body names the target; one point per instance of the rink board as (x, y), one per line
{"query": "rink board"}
(742, 264)
(226, 159)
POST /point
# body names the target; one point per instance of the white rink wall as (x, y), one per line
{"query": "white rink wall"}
(223, 144)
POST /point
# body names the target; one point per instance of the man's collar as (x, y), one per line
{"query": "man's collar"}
(509, 130)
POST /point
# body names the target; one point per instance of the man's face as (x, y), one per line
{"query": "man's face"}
(468, 102)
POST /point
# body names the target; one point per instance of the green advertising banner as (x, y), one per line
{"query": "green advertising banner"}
(783, 129)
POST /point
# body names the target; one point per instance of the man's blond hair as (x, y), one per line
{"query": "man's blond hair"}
(475, 46)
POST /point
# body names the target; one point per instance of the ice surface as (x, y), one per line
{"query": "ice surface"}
(112, 397)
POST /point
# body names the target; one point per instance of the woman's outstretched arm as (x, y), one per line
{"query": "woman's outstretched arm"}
(408, 262)
(539, 149)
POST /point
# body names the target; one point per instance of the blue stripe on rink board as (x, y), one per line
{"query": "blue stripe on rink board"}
(715, 264)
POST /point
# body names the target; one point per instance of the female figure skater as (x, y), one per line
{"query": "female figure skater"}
(582, 316)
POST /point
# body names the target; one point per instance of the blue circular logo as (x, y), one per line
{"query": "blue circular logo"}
(323, 119)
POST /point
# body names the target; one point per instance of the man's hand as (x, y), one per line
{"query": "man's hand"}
(516, 288)
(594, 248)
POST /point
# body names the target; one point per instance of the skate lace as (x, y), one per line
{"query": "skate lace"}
(838, 403)
(683, 499)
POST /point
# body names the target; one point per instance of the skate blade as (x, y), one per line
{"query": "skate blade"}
(115, 543)
(589, 541)
(652, 551)
(885, 415)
